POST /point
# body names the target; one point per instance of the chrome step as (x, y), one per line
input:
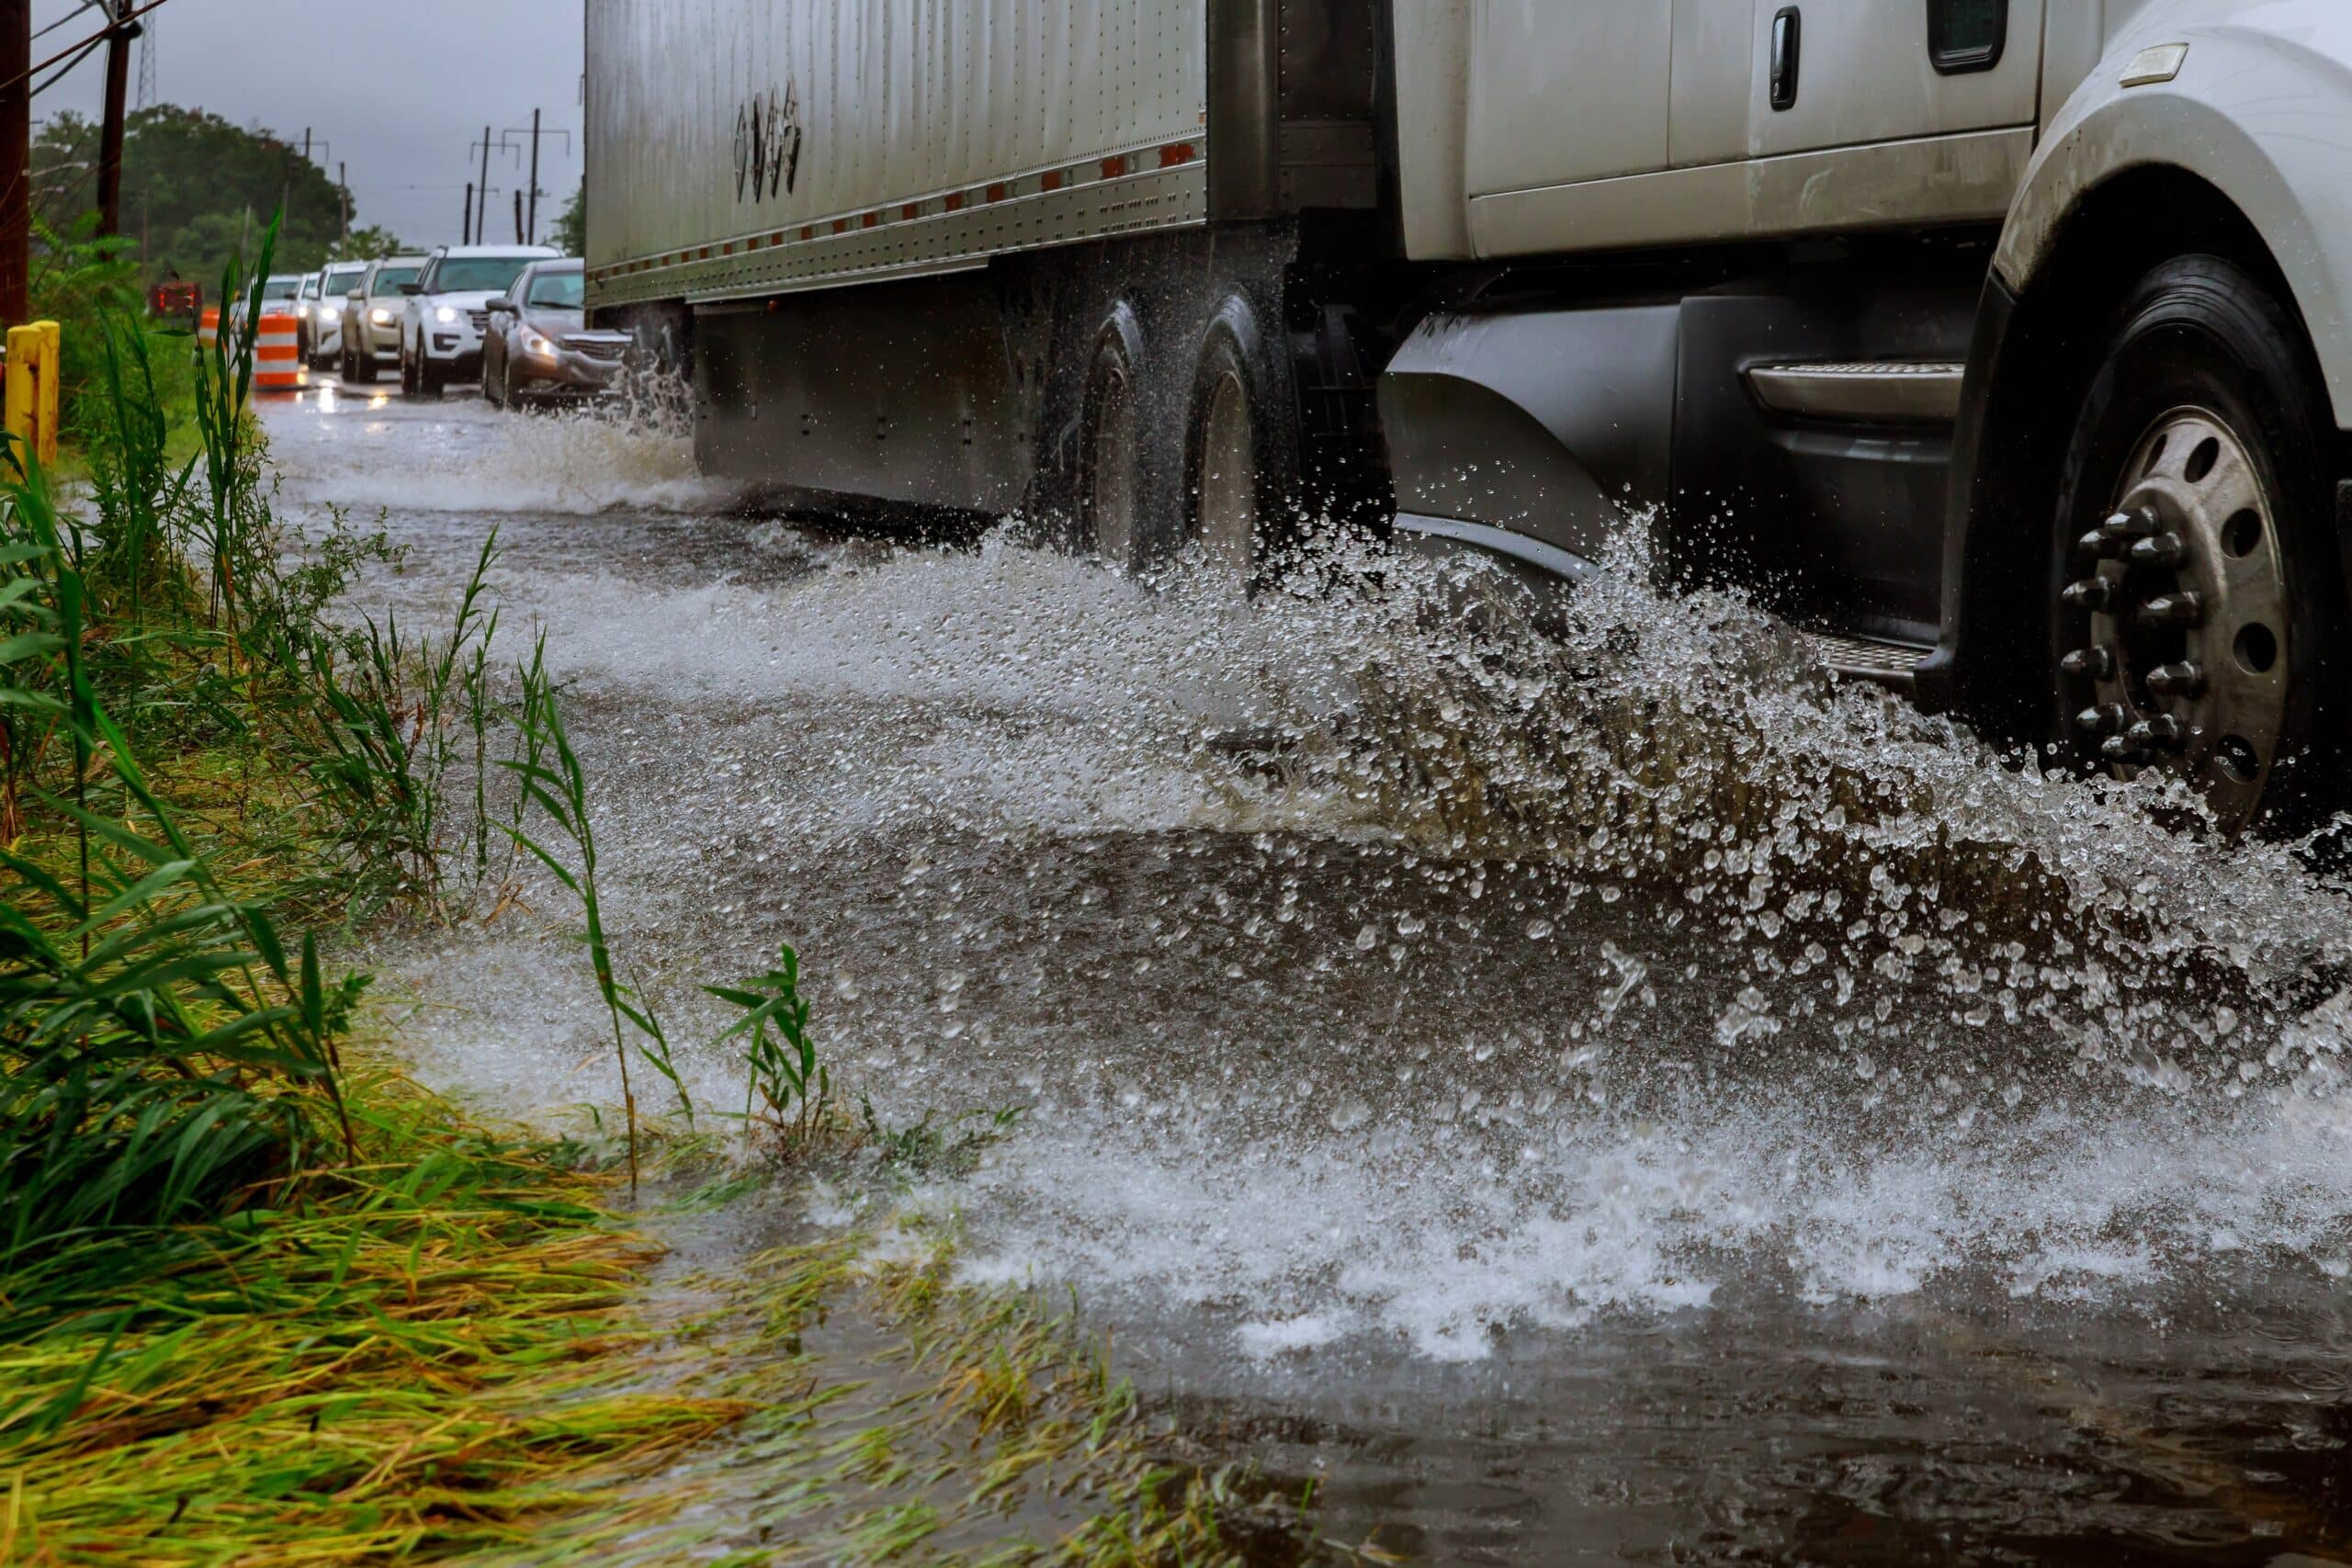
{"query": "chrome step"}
(1894, 392)
(1858, 659)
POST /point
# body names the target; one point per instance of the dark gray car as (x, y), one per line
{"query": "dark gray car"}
(539, 345)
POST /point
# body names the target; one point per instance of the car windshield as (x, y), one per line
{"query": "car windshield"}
(309, 289)
(557, 291)
(340, 279)
(472, 274)
(389, 279)
(281, 288)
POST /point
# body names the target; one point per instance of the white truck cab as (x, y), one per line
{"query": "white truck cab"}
(2002, 343)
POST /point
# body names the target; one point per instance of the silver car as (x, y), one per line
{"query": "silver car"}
(539, 345)
(371, 316)
(318, 312)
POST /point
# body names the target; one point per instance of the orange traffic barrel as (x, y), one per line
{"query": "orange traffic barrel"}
(277, 355)
(208, 329)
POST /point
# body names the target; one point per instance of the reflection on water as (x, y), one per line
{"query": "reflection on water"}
(1620, 1097)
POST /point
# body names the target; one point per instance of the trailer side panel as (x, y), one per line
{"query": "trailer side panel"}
(739, 148)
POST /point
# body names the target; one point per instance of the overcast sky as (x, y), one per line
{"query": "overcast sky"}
(436, 71)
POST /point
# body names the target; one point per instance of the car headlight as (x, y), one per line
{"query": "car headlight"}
(445, 316)
(381, 316)
(533, 344)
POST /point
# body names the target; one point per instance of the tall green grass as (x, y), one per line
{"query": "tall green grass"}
(165, 1053)
(552, 779)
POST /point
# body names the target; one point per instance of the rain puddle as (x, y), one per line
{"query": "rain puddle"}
(1613, 1099)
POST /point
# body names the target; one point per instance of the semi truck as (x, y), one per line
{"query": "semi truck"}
(2000, 345)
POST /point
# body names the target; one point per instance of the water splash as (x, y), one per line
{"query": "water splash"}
(371, 453)
(1373, 969)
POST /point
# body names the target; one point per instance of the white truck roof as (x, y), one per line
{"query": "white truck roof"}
(462, 251)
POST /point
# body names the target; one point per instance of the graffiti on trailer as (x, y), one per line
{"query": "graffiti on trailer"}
(767, 144)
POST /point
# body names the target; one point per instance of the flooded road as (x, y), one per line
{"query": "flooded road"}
(1620, 1100)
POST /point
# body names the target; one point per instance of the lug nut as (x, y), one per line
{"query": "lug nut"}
(2097, 545)
(2159, 549)
(2162, 733)
(2176, 679)
(2136, 524)
(2093, 593)
(2184, 609)
(2090, 663)
(2105, 720)
(2120, 751)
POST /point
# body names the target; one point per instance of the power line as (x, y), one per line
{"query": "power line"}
(44, 32)
(67, 69)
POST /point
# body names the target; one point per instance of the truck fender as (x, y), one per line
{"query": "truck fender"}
(2261, 111)
(1532, 435)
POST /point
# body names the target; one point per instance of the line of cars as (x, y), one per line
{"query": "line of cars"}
(510, 318)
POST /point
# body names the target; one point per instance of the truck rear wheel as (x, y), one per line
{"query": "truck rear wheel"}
(1110, 476)
(2197, 613)
(1236, 450)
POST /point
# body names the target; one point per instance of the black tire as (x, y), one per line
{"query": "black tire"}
(362, 369)
(408, 370)
(1112, 507)
(2204, 435)
(1240, 445)
(494, 391)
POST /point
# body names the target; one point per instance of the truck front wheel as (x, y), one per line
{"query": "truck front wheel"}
(2197, 615)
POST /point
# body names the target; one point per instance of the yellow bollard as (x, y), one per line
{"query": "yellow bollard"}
(32, 388)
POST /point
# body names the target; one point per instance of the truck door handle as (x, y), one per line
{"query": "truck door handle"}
(1788, 46)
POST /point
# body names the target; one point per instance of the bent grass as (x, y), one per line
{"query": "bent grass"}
(428, 1361)
(899, 1416)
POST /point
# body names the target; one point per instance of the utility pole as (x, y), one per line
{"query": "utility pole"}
(538, 129)
(119, 35)
(343, 196)
(482, 213)
(518, 218)
(466, 229)
(16, 161)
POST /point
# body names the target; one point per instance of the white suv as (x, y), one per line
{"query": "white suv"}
(448, 309)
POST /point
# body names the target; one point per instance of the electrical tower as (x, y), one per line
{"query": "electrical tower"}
(147, 61)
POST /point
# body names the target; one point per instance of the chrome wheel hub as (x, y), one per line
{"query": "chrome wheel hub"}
(2184, 601)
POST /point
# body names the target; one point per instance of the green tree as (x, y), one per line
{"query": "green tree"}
(196, 191)
(571, 234)
(367, 244)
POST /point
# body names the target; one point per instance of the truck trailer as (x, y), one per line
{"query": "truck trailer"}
(1998, 345)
